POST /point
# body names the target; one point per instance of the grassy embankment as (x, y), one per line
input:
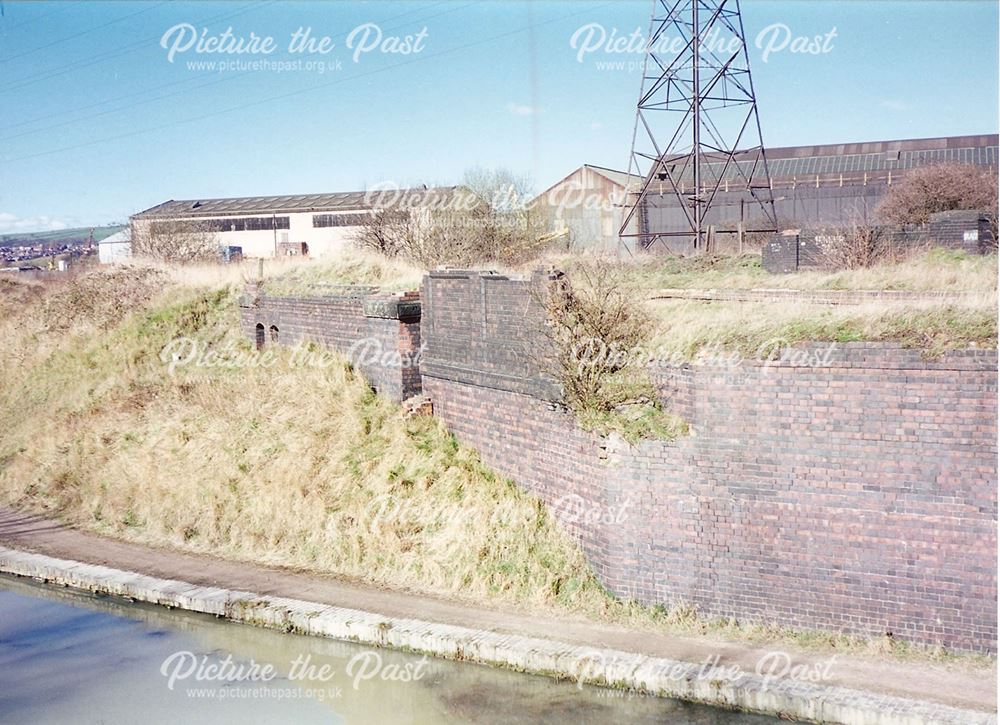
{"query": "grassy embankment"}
(285, 465)
(687, 329)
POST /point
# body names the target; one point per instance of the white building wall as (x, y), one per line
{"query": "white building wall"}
(111, 252)
(322, 241)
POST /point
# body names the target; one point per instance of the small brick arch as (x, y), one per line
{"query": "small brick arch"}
(273, 333)
(260, 336)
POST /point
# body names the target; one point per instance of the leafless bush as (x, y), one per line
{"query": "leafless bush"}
(863, 243)
(387, 231)
(596, 330)
(495, 225)
(175, 241)
(859, 246)
(432, 238)
(100, 298)
(944, 187)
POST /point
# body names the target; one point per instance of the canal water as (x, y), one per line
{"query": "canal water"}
(70, 657)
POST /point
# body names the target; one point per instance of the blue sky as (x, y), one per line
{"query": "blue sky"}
(97, 123)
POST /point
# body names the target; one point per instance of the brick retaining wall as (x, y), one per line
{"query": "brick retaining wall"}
(379, 333)
(852, 489)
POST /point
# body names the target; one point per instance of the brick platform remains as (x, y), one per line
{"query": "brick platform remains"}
(850, 487)
(378, 333)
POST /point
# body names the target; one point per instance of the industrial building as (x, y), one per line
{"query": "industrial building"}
(316, 225)
(827, 185)
(586, 205)
(116, 248)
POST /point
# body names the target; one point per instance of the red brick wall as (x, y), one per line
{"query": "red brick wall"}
(380, 334)
(855, 490)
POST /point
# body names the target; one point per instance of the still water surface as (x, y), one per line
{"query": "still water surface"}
(68, 657)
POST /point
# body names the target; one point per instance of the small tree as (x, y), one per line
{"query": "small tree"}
(597, 330)
(944, 187)
(387, 231)
(175, 241)
(502, 190)
(498, 226)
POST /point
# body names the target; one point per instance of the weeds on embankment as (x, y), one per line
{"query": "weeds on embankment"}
(684, 329)
(281, 464)
(278, 463)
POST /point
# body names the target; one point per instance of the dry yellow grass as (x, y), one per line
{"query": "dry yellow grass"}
(356, 267)
(286, 465)
(931, 270)
(689, 329)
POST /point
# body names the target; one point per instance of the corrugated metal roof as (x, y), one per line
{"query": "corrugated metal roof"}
(617, 177)
(342, 201)
(878, 157)
(117, 238)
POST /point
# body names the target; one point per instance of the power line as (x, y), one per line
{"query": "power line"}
(311, 89)
(20, 83)
(29, 21)
(214, 82)
(145, 9)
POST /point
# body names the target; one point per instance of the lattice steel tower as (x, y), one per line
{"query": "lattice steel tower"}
(697, 163)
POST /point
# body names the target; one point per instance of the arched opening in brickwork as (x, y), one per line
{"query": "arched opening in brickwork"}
(260, 336)
(273, 334)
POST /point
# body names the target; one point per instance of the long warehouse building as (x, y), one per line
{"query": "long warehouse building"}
(316, 225)
(832, 184)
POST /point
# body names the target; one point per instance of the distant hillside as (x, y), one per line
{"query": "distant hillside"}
(60, 236)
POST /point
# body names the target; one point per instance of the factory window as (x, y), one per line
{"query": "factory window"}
(338, 220)
(233, 224)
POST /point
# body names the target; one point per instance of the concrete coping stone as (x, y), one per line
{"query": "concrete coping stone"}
(595, 666)
(393, 309)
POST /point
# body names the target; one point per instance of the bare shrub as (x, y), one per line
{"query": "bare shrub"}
(386, 231)
(944, 187)
(863, 243)
(175, 241)
(594, 329)
(433, 238)
(597, 334)
(491, 221)
(859, 246)
(100, 298)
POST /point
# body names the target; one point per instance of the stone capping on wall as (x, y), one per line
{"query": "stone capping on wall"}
(817, 296)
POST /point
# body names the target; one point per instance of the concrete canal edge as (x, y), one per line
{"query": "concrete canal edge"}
(749, 692)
